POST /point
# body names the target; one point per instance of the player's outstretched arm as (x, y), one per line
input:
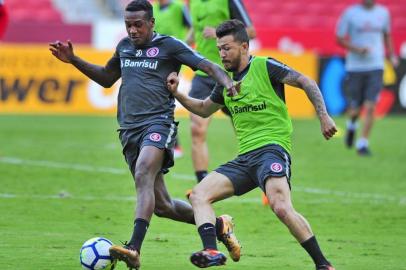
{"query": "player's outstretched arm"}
(105, 76)
(294, 78)
(219, 75)
(203, 108)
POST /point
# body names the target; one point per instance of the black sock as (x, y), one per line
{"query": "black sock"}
(207, 233)
(200, 175)
(312, 247)
(140, 229)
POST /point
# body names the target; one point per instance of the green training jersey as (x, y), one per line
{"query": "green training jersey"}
(170, 20)
(208, 13)
(259, 115)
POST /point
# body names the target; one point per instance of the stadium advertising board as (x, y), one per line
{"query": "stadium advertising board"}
(33, 81)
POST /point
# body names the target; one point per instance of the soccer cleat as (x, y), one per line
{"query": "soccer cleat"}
(207, 258)
(364, 151)
(228, 238)
(349, 137)
(126, 254)
(325, 267)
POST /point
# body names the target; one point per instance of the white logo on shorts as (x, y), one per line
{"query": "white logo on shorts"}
(152, 52)
(276, 167)
(155, 137)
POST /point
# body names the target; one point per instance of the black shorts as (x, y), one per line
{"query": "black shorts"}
(161, 136)
(202, 86)
(252, 169)
(363, 86)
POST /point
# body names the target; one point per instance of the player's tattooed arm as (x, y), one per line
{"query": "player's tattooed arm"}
(294, 78)
(311, 88)
(219, 75)
(105, 76)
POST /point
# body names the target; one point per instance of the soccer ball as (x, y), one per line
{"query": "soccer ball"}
(94, 254)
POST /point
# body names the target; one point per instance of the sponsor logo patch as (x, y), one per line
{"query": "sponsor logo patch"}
(138, 53)
(276, 167)
(155, 137)
(152, 52)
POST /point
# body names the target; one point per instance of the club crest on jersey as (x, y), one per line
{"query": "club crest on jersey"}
(138, 53)
(155, 137)
(152, 52)
(276, 167)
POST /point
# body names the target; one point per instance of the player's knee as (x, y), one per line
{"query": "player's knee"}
(280, 208)
(370, 109)
(141, 177)
(198, 132)
(197, 197)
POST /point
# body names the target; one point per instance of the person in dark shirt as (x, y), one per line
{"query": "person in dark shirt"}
(145, 114)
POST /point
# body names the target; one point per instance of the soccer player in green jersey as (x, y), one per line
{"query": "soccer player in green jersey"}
(176, 12)
(263, 129)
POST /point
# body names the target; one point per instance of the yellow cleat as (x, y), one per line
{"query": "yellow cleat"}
(228, 238)
(126, 254)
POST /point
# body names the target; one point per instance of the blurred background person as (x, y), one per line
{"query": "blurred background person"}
(180, 26)
(206, 16)
(364, 31)
(175, 12)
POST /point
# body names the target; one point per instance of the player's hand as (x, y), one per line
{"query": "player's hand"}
(209, 32)
(172, 82)
(234, 89)
(328, 127)
(63, 52)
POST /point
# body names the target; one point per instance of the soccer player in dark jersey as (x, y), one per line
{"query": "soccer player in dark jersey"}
(263, 129)
(206, 16)
(145, 114)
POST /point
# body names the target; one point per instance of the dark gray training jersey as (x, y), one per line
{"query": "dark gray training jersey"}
(143, 98)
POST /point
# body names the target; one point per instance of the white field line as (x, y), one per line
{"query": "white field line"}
(371, 197)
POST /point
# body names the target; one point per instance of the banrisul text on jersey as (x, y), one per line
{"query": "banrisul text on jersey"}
(248, 108)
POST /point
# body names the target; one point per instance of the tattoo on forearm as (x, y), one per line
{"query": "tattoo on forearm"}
(296, 79)
(314, 94)
(292, 78)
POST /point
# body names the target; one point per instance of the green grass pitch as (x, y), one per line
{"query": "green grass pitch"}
(63, 180)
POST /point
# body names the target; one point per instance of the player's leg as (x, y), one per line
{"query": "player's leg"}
(278, 193)
(201, 89)
(171, 208)
(147, 166)
(212, 188)
(200, 150)
(353, 91)
(373, 85)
